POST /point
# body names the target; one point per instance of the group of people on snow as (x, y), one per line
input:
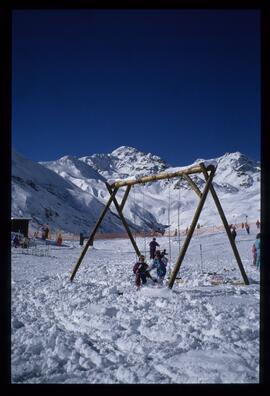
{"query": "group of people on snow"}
(19, 240)
(45, 231)
(256, 247)
(159, 262)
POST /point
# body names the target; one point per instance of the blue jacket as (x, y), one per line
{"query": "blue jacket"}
(160, 265)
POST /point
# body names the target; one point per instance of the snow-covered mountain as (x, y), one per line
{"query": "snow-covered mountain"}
(125, 162)
(46, 197)
(152, 206)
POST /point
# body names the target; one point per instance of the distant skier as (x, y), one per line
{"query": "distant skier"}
(247, 227)
(153, 245)
(258, 224)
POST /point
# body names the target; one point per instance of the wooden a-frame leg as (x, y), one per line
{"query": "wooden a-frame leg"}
(125, 198)
(227, 228)
(118, 208)
(191, 229)
(91, 237)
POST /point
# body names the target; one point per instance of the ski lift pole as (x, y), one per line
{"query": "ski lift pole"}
(169, 223)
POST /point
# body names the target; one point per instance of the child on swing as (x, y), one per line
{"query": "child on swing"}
(160, 263)
(141, 271)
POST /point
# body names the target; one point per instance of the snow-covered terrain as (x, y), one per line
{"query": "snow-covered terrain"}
(69, 193)
(46, 197)
(101, 329)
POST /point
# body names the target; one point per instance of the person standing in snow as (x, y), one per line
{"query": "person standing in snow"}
(247, 227)
(59, 239)
(153, 245)
(43, 232)
(16, 241)
(234, 233)
(141, 271)
(46, 231)
(160, 263)
(254, 254)
(258, 251)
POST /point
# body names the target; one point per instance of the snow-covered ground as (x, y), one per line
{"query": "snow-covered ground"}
(101, 329)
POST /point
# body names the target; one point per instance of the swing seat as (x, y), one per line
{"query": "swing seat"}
(216, 279)
(216, 282)
(220, 281)
(177, 280)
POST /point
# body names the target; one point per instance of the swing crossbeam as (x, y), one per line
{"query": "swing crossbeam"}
(160, 176)
(201, 168)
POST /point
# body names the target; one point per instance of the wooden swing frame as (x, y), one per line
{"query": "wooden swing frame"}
(208, 173)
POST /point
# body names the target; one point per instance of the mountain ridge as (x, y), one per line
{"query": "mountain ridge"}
(82, 181)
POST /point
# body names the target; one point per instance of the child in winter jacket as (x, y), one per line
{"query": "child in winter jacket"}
(141, 271)
(160, 263)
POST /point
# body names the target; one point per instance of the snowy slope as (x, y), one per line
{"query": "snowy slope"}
(100, 329)
(158, 204)
(46, 197)
(79, 173)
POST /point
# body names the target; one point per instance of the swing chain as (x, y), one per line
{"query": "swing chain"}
(144, 234)
(169, 221)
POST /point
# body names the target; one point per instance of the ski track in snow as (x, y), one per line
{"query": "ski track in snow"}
(101, 329)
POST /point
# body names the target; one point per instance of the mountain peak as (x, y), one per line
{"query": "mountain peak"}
(124, 150)
(67, 158)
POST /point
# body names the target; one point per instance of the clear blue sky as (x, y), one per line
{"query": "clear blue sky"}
(182, 84)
